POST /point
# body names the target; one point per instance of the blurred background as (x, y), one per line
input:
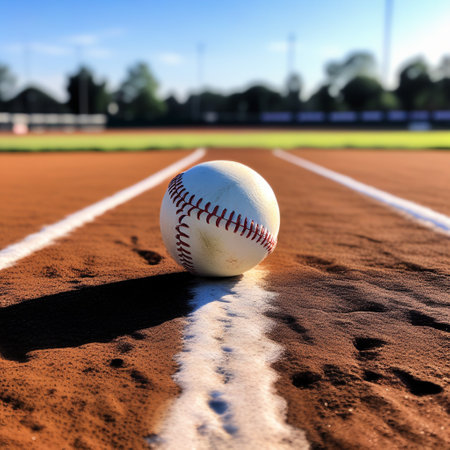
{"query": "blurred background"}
(92, 64)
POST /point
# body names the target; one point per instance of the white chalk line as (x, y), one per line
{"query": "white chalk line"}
(228, 398)
(425, 216)
(48, 234)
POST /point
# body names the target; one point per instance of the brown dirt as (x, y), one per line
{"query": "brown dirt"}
(41, 188)
(89, 326)
(420, 176)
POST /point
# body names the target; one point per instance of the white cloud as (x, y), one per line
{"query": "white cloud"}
(49, 49)
(278, 46)
(94, 38)
(90, 42)
(83, 39)
(171, 59)
(112, 32)
(38, 47)
(98, 52)
(92, 51)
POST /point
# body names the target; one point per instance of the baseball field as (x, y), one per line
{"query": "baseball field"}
(338, 339)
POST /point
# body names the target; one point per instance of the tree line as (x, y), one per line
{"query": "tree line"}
(350, 84)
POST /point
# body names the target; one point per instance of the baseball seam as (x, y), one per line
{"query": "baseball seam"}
(182, 198)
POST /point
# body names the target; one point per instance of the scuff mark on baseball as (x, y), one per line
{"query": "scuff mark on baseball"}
(219, 218)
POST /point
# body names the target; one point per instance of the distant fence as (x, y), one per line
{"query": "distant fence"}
(416, 120)
(21, 123)
(411, 119)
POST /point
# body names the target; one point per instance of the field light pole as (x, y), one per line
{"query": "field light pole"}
(387, 39)
(197, 103)
(27, 77)
(291, 54)
(82, 88)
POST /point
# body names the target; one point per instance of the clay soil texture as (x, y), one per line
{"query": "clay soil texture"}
(89, 326)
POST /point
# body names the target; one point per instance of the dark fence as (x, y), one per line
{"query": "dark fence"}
(396, 118)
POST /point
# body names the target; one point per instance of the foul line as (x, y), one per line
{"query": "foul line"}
(426, 216)
(47, 235)
(228, 399)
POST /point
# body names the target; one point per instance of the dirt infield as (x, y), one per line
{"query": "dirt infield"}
(422, 177)
(41, 188)
(89, 326)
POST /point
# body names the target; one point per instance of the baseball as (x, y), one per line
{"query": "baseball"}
(219, 218)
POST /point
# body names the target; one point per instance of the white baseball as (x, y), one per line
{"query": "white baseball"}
(219, 218)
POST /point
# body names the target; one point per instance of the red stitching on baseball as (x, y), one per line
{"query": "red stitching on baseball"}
(238, 223)
(176, 190)
(221, 217)
(182, 198)
(230, 220)
(244, 227)
(256, 232)
(265, 237)
(213, 213)
(251, 229)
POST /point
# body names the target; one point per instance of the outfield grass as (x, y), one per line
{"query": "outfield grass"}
(191, 139)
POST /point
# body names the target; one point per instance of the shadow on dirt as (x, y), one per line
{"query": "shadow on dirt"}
(92, 314)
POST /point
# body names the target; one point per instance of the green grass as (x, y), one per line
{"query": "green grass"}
(265, 138)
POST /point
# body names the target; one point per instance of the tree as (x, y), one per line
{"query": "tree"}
(339, 73)
(322, 100)
(212, 101)
(137, 97)
(86, 96)
(388, 100)
(205, 102)
(197, 105)
(293, 88)
(441, 88)
(362, 92)
(255, 100)
(7, 82)
(174, 109)
(443, 70)
(34, 100)
(415, 85)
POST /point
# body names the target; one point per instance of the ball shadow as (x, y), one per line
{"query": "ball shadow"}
(92, 314)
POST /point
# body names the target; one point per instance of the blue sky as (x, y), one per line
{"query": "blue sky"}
(244, 41)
